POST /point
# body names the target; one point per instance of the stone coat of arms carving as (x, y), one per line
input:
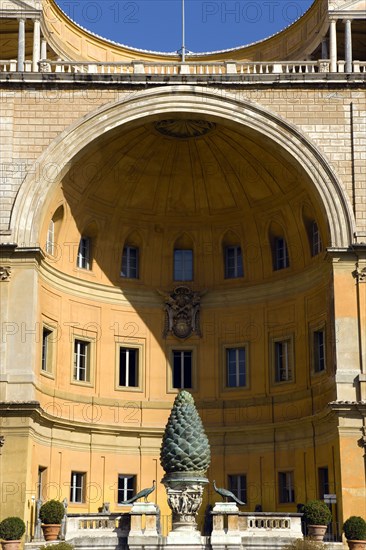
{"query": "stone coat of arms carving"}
(182, 312)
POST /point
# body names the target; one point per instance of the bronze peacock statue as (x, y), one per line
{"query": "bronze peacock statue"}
(227, 494)
(144, 493)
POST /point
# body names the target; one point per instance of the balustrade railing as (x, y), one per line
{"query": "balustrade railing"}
(254, 523)
(105, 525)
(228, 68)
(98, 523)
(245, 524)
(195, 69)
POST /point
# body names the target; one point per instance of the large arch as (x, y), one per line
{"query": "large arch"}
(52, 165)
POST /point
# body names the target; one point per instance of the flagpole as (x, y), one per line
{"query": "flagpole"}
(183, 34)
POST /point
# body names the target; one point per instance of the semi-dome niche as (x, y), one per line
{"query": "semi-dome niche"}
(218, 189)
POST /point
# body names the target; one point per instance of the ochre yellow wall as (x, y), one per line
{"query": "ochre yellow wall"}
(282, 427)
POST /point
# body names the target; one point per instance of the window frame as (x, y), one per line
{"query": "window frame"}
(289, 488)
(184, 277)
(127, 477)
(170, 367)
(41, 481)
(280, 261)
(287, 339)
(140, 348)
(237, 347)
(316, 239)
(182, 356)
(91, 343)
(49, 354)
(323, 485)
(75, 488)
(315, 359)
(86, 257)
(238, 266)
(129, 275)
(240, 492)
(50, 238)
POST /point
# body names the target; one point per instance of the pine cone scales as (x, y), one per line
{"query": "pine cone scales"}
(185, 446)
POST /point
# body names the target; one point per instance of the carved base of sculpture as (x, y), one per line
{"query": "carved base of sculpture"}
(184, 494)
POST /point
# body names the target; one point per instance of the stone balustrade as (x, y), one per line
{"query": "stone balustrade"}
(97, 525)
(231, 528)
(229, 68)
(245, 529)
(288, 525)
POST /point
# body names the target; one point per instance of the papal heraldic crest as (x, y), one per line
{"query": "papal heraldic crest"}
(182, 312)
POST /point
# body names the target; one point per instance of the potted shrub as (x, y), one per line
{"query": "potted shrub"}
(355, 532)
(11, 531)
(317, 517)
(51, 514)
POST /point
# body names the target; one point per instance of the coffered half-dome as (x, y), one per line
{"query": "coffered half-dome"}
(184, 167)
(165, 176)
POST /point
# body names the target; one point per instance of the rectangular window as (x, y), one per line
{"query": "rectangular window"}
(183, 265)
(286, 487)
(42, 472)
(81, 361)
(50, 240)
(235, 367)
(126, 487)
(84, 253)
(323, 479)
(77, 487)
(319, 350)
(233, 262)
(130, 262)
(182, 369)
(283, 360)
(46, 364)
(128, 367)
(238, 486)
(281, 258)
(316, 241)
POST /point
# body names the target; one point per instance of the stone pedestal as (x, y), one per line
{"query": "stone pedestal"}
(184, 540)
(147, 536)
(225, 530)
(184, 494)
(140, 509)
(225, 507)
(184, 69)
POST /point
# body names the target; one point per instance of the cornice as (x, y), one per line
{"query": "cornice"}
(349, 408)
(34, 411)
(278, 81)
(284, 287)
(12, 251)
(23, 13)
(347, 14)
(223, 404)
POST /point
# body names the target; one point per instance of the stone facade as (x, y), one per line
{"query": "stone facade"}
(275, 185)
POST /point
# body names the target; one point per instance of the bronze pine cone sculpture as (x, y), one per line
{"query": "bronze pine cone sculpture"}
(185, 447)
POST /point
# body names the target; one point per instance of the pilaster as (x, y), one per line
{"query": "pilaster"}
(20, 330)
(347, 338)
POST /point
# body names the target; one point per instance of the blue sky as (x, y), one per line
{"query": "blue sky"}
(210, 24)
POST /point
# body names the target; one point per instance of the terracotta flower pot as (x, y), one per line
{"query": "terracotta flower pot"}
(50, 530)
(10, 544)
(317, 532)
(356, 544)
